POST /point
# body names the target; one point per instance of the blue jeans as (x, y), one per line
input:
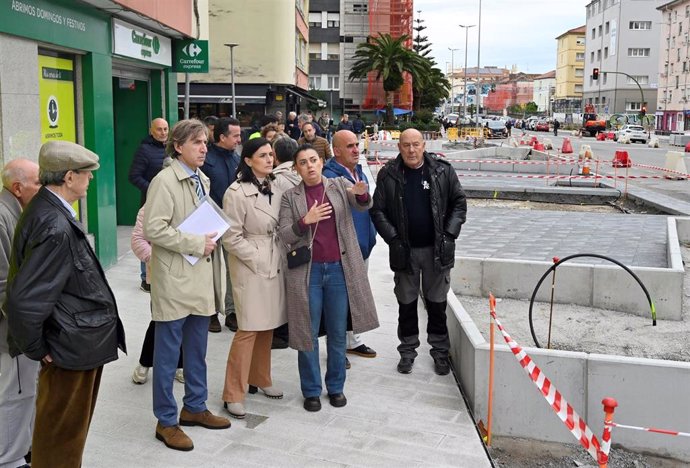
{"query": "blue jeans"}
(192, 333)
(142, 268)
(328, 301)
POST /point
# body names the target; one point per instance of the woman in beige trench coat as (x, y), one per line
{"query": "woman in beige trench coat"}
(255, 260)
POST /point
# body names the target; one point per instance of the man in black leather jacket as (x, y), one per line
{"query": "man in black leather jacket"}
(419, 208)
(59, 306)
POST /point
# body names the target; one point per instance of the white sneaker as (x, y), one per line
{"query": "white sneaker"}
(140, 374)
(179, 375)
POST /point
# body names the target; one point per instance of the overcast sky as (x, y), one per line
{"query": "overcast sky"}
(521, 32)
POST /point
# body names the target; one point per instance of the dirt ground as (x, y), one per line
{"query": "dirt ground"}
(510, 452)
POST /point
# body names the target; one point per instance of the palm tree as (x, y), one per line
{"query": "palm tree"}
(390, 59)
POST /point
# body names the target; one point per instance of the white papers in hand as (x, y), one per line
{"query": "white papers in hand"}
(206, 218)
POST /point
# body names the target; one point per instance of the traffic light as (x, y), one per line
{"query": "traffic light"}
(595, 74)
(643, 111)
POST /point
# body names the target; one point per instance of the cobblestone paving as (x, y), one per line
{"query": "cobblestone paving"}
(635, 240)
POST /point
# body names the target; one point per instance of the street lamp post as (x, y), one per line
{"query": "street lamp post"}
(232, 77)
(452, 77)
(464, 93)
(477, 92)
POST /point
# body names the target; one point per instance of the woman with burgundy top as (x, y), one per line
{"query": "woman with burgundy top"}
(317, 212)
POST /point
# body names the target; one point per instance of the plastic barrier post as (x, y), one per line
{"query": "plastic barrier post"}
(609, 406)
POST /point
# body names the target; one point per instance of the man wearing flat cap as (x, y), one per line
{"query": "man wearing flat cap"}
(60, 308)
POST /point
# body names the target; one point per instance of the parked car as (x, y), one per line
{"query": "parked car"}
(542, 126)
(496, 129)
(634, 133)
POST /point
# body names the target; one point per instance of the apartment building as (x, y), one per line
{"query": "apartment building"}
(570, 71)
(623, 42)
(271, 60)
(337, 27)
(543, 89)
(672, 107)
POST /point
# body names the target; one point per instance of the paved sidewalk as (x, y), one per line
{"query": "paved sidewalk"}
(395, 420)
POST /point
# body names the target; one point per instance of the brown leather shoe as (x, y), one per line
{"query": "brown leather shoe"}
(204, 419)
(173, 437)
(214, 324)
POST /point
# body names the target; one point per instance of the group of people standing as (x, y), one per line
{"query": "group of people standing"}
(302, 227)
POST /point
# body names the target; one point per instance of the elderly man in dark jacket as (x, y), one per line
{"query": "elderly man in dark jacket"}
(419, 208)
(148, 160)
(59, 306)
(147, 163)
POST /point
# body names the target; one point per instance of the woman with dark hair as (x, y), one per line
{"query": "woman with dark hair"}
(316, 215)
(255, 261)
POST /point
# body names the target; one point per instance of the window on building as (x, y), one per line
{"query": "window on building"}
(596, 100)
(360, 8)
(638, 52)
(603, 99)
(680, 28)
(579, 56)
(606, 52)
(315, 82)
(333, 82)
(599, 30)
(314, 56)
(633, 106)
(594, 33)
(580, 40)
(333, 20)
(333, 51)
(687, 11)
(604, 78)
(606, 28)
(642, 79)
(677, 81)
(678, 55)
(637, 25)
(591, 57)
(578, 88)
(314, 19)
(685, 67)
(579, 72)
(599, 55)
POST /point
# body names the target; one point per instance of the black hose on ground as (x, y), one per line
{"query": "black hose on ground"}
(603, 257)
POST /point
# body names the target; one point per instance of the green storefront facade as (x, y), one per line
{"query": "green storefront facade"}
(105, 99)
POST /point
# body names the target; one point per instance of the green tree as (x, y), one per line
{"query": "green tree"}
(433, 85)
(389, 58)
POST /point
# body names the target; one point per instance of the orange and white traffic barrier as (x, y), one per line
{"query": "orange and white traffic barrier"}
(621, 159)
(565, 412)
(585, 152)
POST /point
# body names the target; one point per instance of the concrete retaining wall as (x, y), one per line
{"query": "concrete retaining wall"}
(649, 392)
(603, 286)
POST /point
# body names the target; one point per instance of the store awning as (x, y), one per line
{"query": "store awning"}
(301, 93)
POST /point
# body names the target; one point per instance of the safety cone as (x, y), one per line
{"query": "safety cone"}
(533, 141)
(601, 136)
(585, 168)
(538, 146)
(567, 147)
(621, 159)
(585, 152)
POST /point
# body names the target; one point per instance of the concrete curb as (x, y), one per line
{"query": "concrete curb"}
(650, 392)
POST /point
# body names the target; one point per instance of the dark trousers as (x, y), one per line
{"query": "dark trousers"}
(64, 408)
(146, 357)
(435, 286)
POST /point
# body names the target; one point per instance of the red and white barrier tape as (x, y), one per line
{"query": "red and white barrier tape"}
(657, 168)
(575, 424)
(652, 429)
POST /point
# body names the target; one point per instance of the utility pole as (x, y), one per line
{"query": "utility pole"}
(464, 93)
(452, 78)
(232, 77)
(477, 91)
